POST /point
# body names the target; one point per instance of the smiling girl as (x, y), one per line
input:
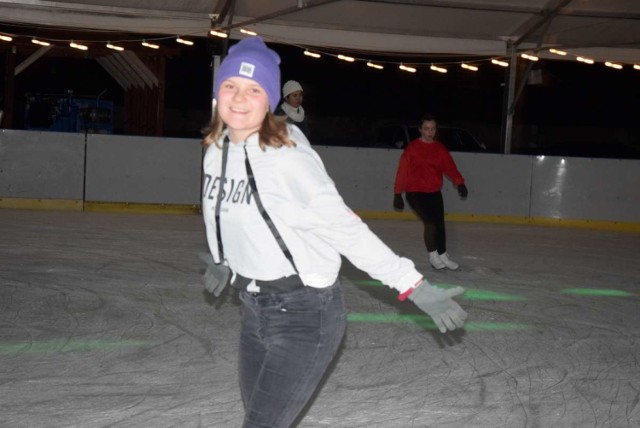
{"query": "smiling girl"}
(275, 218)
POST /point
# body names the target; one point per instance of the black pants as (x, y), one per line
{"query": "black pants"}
(429, 207)
(287, 341)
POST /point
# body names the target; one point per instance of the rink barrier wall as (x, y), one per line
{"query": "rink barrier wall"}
(63, 171)
(143, 170)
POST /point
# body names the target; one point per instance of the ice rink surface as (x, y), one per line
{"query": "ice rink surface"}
(104, 323)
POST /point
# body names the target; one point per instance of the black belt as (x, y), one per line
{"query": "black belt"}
(279, 285)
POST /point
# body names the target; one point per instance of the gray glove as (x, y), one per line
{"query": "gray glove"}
(439, 305)
(216, 277)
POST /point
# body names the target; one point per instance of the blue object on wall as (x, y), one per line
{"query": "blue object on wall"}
(66, 113)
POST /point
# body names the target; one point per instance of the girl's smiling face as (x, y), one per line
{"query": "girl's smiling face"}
(242, 104)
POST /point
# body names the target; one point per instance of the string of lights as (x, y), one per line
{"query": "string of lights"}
(472, 65)
(440, 66)
(81, 44)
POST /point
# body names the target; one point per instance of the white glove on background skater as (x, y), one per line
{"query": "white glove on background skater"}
(438, 304)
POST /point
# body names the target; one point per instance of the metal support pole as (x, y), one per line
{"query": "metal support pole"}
(510, 106)
(6, 119)
(216, 65)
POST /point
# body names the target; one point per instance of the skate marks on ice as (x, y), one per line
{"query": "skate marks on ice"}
(103, 322)
(570, 360)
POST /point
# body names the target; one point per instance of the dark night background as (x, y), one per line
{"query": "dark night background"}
(571, 102)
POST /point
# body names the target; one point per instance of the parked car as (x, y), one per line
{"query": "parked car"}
(455, 139)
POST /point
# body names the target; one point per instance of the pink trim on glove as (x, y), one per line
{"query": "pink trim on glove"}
(402, 297)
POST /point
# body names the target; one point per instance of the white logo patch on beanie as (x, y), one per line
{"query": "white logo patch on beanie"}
(247, 69)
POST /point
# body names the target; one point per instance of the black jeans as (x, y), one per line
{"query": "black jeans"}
(429, 207)
(287, 341)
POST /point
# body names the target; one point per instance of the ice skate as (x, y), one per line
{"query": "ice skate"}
(450, 264)
(436, 261)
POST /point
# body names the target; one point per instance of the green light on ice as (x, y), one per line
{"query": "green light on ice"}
(426, 322)
(368, 282)
(474, 294)
(64, 346)
(596, 292)
(469, 294)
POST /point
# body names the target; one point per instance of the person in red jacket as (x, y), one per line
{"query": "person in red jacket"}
(421, 168)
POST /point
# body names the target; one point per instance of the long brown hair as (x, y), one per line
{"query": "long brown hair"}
(272, 133)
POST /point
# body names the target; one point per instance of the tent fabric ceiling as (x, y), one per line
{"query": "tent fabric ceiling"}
(140, 16)
(601, 29)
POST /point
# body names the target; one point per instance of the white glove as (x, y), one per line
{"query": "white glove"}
(439, 305)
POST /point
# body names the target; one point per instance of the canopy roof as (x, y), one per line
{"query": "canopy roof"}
(600, 29)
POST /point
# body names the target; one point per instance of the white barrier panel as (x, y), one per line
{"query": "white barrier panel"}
(498, 184)
(364, 177)
(41, 165)
(586, 189)
(143, 170)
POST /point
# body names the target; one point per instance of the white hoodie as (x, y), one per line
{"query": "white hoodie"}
(307, 210)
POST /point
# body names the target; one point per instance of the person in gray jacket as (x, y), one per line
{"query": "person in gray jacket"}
(275, 220)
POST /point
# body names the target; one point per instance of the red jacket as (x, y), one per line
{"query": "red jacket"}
(422, 165)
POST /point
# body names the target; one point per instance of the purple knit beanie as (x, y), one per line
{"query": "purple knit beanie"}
(252, 59)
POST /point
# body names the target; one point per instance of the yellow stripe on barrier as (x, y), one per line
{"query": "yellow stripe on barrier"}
(126, 207)
(619, 226)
